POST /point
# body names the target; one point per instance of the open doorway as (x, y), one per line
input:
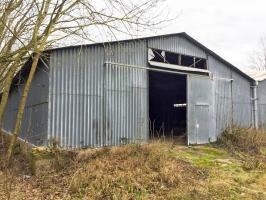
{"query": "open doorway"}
(167, 105)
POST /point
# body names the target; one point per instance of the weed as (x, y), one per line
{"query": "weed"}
(247, 140)
(152, 171)
(131, 172)
(248, 144)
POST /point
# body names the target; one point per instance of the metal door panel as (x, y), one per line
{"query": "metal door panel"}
(200, 99)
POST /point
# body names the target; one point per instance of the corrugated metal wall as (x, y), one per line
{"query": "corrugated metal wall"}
(75, 116)
(261, 92)
(126, 93)
(126, 97)
(218, 69)
(34, 123)
(176, 44)
(233, 99)
(242, 105)
(93, 104)
(223, 104)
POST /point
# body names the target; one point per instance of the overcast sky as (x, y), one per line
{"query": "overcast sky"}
(231, 28)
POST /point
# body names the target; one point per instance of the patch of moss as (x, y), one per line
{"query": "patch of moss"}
(202, 156)
(42, 153)
(212, 151)
(232, 168)
(263, 151)
(140, 195)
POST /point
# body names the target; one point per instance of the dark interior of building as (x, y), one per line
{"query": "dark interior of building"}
(178, 59)
(165, 90)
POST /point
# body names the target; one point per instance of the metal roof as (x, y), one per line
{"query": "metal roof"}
(258, 75)
(181, 34)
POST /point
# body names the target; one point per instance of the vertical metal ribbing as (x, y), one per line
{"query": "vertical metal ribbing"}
(61, 103)
(261, 110)
(85, 105)
(68, 106)
(120, 101)
(79, 98)
(50, 98)
(98, 99)
(223, 104)
(91, 132)
(123, 101)
(176, 44)
(231, 104)
(57, 115)
(53, 103)
(104, 129)
(76, 105)
(128, 130)
(242, 106)
(75, 96)
(94, 100)
(83, 96)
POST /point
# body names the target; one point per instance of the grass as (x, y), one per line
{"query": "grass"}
(246, 140)
(159, 170)
(246, 144)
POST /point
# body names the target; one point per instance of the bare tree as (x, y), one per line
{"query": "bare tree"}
(258, 58)
(13, 25)
(28, 27)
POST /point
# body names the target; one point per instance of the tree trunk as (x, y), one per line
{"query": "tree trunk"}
(21, 107)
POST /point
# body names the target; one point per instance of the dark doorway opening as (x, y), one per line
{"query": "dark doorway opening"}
(167, 105)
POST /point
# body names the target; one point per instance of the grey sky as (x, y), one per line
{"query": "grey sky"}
(231, 28)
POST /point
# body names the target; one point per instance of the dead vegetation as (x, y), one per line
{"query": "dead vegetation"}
(20, 166)
(160, 170)
(247, 144)
(247, 140)
(127, 172)
(133, 172)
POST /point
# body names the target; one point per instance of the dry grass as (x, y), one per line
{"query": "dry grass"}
(127, 172)
(247, 140)
(18, 167)
(247, 144)
(133, 172)
(152, 171)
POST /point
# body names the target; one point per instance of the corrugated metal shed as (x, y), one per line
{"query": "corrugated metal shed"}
(98, 94)
(260, 77)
